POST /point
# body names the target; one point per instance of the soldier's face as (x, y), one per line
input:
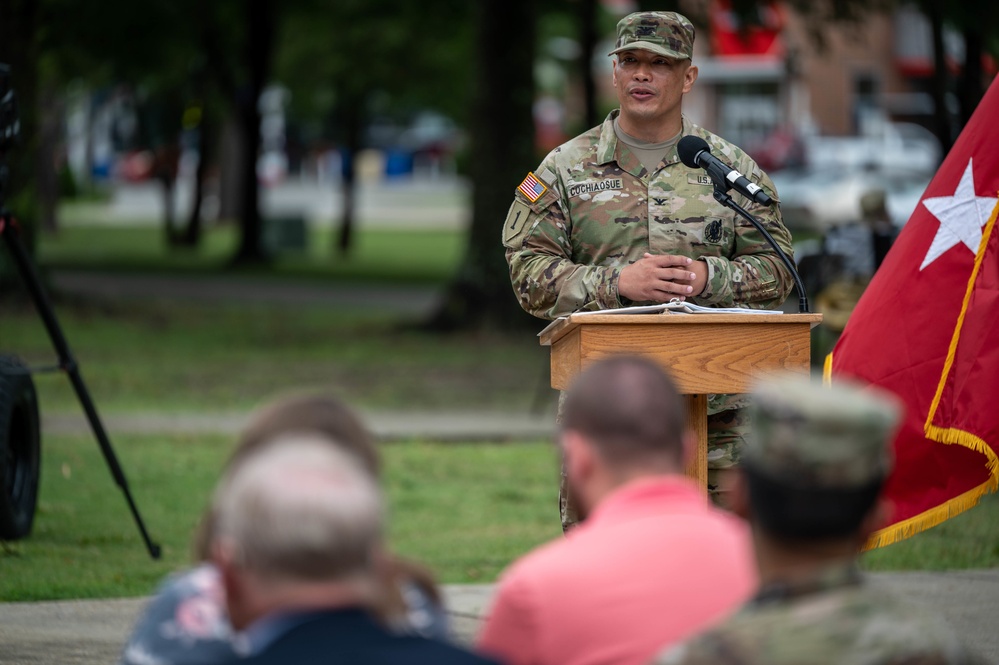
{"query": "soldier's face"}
(650, 87)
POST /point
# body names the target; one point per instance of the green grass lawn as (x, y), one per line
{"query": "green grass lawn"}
(970, 540)
(465, 509)
(379, 255)
(211, 357)
(203, 357)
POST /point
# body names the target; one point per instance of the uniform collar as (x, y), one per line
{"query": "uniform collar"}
(609, 149)
(832, 576)
(607, 144)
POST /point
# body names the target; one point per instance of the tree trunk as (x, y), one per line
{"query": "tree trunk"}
(230, 158)
(251, 246)
(50, 135)
(166, 161)
(259, 46)
(587, 42)
(192, 232)
(169, 212)
(503, 152)
(938, 82)
(352, 111)
(971, 90)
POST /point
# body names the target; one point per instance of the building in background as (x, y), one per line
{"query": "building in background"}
(780, 93)
(775, 90)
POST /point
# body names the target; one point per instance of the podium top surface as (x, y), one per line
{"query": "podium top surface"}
(562, 327)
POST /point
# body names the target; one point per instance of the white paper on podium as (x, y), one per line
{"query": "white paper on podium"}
(673, 306)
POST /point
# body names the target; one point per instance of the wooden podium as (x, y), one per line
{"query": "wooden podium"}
(704, 353)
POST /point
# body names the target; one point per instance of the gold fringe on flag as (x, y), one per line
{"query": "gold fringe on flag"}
(949, 435)
(934, 516)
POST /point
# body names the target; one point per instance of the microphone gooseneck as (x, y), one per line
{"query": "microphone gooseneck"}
(695, 153)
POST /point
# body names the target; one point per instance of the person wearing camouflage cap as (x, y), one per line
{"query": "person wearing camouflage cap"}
(665, 33)
(810, 487)
(613, 217)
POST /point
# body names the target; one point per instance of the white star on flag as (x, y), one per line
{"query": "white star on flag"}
(961, 217)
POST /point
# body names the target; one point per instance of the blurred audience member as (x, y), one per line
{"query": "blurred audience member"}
(186, 621)
(651, 553)
(810, 484)
(874, 211)
(298, 526)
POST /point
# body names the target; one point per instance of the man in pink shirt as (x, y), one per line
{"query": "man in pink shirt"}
(653, 562)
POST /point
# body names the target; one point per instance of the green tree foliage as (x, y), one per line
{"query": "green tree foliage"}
(172, 54)
(105, 45)
(349, 61)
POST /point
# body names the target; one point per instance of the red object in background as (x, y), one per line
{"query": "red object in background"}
(927, 329)
(136, 166)
(729, 37)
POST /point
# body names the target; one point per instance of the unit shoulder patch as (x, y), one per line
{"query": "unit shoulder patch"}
(516, 222)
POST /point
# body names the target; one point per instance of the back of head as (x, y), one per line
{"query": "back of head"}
(817, 456)
(874, 205)
(301, 413)
(629, 409)
(322, 414)
(298, 509)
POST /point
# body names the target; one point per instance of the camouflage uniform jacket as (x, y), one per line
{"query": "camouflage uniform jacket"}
(602, 210)
(833, 617)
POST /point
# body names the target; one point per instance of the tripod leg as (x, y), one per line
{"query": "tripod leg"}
(68, 364)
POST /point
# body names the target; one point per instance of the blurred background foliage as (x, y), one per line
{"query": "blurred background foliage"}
(200, 71)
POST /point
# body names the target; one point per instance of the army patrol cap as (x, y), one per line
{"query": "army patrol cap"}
(666, 33)
(807, 434)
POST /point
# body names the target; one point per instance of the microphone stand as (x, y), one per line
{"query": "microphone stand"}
(722, 196)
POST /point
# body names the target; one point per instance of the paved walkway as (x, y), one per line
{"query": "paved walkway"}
(442, 426)
(238, 289)
(85, 632)
(442, 203)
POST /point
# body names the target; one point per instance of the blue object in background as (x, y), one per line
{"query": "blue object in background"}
(398, 162)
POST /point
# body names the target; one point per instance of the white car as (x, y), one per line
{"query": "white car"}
(818, 199)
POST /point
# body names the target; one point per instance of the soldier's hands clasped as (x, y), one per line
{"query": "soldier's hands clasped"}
(662, 277)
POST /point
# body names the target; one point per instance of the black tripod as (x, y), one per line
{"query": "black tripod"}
(67, 363)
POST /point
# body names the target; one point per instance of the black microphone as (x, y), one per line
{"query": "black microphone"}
(695, 153)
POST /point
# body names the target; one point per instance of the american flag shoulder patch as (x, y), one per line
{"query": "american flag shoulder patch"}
(532, 188)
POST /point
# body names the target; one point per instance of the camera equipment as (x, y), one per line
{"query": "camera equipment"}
(20, 446)
(9, 124)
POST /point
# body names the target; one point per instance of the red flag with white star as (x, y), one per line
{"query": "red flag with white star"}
(927, 329)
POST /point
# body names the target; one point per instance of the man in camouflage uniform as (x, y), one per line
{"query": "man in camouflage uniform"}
(810, 482)
(613, 218)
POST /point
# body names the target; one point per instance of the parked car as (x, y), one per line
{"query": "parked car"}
(817, 199)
